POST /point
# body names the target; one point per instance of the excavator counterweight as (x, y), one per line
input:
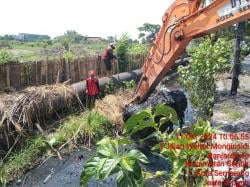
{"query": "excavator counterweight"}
(183, 21)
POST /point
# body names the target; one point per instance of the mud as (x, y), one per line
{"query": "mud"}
(55, 172)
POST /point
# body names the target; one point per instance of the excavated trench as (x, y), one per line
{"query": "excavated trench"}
(67, 172)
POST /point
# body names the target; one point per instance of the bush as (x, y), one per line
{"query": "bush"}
(6, 57)
(129, 85)
(201, 132)
(207, 60)
(122, 52)
(137, 49)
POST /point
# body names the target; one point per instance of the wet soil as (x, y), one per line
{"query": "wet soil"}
(57, 173)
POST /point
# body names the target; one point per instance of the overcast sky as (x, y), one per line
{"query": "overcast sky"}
(87, 17)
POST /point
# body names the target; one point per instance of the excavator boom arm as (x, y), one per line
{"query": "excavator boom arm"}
(183, 21)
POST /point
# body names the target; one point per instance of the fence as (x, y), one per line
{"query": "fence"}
(19, 76)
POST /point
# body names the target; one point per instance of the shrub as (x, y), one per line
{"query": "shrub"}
(6, 57)
(137, 49)
(199, 133)
(198, 79)
(110, 88)
(122, 51)
(129, 85)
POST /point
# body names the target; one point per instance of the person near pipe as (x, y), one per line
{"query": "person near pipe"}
(92, 89)
(107, 58)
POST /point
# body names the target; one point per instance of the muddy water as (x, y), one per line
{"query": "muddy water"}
(55, 172)
(66, 173)
(172, 84)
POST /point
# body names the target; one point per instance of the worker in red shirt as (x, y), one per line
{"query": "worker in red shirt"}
(107, 58)
(92, 89)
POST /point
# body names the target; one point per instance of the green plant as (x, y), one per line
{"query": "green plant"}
(198, 79)
(188, 141)
(193, 149)
(245, 49)
(110, 88)
(129, 85)
(112, 158)
(148, 31)
(147, 118)
(6, 57)
(87, 127)
(136, 49)
(68, 55)
(122, 52)
(19, 162)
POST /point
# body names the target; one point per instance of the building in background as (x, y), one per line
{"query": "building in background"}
(25, 37)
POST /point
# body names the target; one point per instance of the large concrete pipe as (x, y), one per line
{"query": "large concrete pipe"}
(117, 79)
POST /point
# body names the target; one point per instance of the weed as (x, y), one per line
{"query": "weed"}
(85, 127)
(110, 88)
(129, 85)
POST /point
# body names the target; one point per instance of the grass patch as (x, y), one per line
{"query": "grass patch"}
(20, 161)
(232, 112)
(87, 128)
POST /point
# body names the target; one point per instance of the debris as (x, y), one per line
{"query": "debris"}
(18, 182)
(48, 177)
(28, 109)
(112, 106)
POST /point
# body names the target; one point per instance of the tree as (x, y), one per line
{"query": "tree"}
(69, 38)
(148, 32)
(111, 39)
(73, 36)
(237, 55)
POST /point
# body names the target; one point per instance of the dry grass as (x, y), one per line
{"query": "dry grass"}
(28, 109)
(112, 106)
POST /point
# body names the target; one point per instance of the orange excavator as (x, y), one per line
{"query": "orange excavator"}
(183, 21)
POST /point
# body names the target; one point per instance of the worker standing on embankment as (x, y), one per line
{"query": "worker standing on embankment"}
(107, 58)
(92, 89)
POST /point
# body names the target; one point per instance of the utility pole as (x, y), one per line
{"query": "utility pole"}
(237, 66)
